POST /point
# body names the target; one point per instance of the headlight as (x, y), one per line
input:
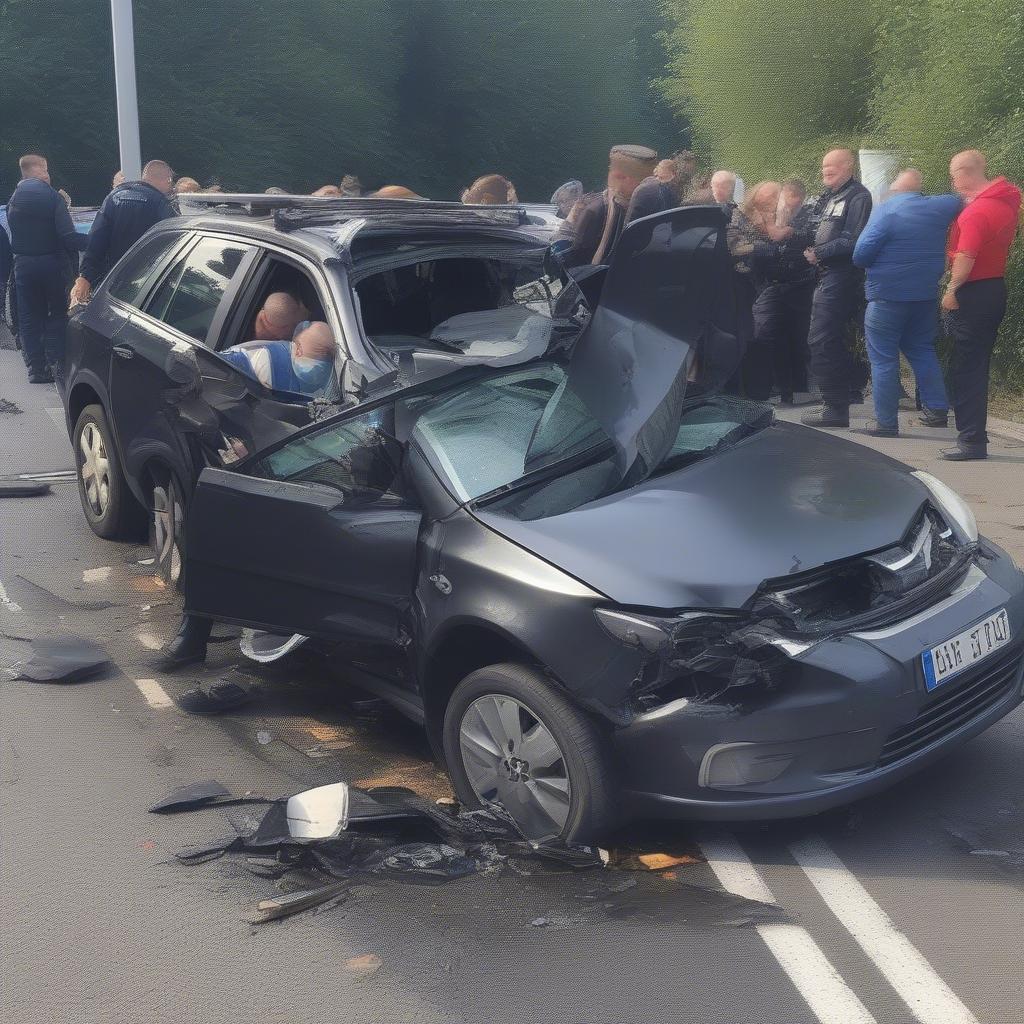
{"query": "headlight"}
(952, 505)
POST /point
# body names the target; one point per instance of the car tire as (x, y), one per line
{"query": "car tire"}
(167, 529)
(567, 792)
(110, 508)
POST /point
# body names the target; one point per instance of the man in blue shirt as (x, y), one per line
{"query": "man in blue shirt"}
(44, 239)
(903, 249)
(302, 365)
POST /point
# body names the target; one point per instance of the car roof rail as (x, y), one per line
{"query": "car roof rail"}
(291, 212)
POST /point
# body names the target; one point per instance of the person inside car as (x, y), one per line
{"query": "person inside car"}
(302, 365)
(280, 314)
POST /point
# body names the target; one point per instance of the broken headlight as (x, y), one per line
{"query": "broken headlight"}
(952, 505)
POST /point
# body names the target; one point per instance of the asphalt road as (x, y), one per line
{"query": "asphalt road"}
(904, 907)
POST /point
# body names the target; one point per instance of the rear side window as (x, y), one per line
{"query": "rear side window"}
(132, 273)
(191, 292)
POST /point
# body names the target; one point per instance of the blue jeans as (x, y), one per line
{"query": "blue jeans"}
(907, 327)
(42, 283)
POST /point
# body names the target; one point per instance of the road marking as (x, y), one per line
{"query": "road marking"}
(928, 997)
(150, 642)
(57, 415)
(156, 696)
(100, 574)
(831, 1000)
(10, 605)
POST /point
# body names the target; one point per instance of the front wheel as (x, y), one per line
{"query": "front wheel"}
(110, 509)
(511, 738)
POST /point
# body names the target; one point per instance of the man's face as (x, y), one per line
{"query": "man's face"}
(621, 183)
(723, 189)
(963, 174)
(665, 171)
(836, 169)
(164, 181)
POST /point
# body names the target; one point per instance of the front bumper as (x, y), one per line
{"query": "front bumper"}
(854, 718)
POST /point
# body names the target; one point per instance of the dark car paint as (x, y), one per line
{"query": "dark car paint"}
(786, 499)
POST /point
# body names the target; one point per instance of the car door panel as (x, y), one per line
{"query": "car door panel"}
(292, 558)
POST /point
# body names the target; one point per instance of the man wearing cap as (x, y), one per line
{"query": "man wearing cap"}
(598, 220)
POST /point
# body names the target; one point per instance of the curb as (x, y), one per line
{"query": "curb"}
(1007, 429)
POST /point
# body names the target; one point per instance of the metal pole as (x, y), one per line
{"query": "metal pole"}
(124, 80)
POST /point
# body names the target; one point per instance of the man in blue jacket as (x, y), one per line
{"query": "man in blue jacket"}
(125, 216)
(903, 249)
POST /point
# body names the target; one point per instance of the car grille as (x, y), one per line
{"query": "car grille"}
(949, 709)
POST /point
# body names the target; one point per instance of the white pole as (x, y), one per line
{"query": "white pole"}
(124, 80)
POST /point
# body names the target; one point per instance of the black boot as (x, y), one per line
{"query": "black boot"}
(965, 453)
(188, 646)
(934, 417)
(828, 416)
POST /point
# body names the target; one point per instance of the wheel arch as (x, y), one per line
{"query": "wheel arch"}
(85, 392)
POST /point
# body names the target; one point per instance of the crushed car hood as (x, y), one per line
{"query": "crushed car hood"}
(786, 500)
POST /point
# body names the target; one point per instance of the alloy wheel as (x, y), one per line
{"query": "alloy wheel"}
(512, 758)
(94, 468)
(167, 520)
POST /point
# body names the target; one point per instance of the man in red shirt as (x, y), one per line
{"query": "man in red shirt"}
(975, 300)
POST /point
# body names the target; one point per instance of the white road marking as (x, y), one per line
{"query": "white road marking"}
(57, 415)
(150, 642)
(10, 605)
(100, 574)
(830, 999)
(156, 696)
(928, 997)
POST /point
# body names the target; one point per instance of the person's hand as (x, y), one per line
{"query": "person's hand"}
(949, 301)
(80, 292)
(811, 256)
(64, 196)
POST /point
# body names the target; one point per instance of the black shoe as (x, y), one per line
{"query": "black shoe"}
(875, 429)
(934, 417)
(828, 416)
(964, 454)
(187, 647)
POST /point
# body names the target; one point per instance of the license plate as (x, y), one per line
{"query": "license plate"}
(967, 649)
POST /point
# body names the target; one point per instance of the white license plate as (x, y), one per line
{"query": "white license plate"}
(967, 649)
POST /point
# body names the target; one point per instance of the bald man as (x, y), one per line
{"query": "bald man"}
(975, 300)
(723, 186)
(130, 210)
(280, 315)
(903, 250)
(842, 211)
(302, 365)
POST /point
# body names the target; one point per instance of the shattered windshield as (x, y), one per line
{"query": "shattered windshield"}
(494, 441)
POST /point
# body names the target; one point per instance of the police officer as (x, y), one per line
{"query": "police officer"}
(782, 310)
(44, 241)
(842, 211)
(125, 216)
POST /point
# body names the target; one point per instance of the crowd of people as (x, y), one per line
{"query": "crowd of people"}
(802, 269)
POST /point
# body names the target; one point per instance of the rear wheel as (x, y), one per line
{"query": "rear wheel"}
(511, 738)
(110, 509)
(167, 528)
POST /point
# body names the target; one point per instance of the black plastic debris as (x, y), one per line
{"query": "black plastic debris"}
(22, 488)
(63, 659)
(188, 798)
(294, 903)
(214, 698)
(267, 867)
(427, 863)
(211, 850)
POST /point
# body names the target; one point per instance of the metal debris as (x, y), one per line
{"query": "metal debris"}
(62, 659)
(214, 698)
(22, 489)
(188, 798)
(294, 903)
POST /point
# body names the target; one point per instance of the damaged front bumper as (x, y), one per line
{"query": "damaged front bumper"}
(846, 716)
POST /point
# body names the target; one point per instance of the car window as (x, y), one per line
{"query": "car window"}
(131, 274)
(190, 294)
(359, 457)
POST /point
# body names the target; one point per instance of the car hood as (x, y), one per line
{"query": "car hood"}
(785, 500)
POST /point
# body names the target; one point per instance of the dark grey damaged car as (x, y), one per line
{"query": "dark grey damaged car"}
(607, 590)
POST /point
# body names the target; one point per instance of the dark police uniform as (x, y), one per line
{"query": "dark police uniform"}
(585, 227)
(782, 310)
(841, 215)
(44, 241)
(125, 216)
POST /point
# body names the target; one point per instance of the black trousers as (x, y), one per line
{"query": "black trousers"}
(42, 310)
(782, 318)
(973, 329)
(837, 299)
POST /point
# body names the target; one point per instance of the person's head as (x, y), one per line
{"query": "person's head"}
(158, 173)
(686, 162)
(328, 191)
(723, 186)
(351, 187)
(490, 190)
(794, 193)
(34, 166)
(666, 172)
(907, 181)
(280, 315)
(395, 192)
(118, 179)
(183, 186)
(274, 191)
(313, 352)
(969, 172)
(761, 202)
(837, 167)
(627, 167)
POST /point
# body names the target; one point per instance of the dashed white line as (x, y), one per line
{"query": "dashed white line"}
(927, 996)
(150, 642)
(156, 696)
(830, 999)
(100, 574)
(10, 605)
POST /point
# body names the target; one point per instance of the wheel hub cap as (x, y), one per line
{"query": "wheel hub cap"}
(94, 469)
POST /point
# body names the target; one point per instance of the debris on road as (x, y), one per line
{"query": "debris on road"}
(365, 965)
(214, 698)
(22, 489)
(429, 863)
(211, 850)
(320, 813)
(293, 903)
(12, 408)
(62, 659)
(188, 798)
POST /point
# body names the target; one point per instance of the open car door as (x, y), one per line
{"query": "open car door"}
(664, 323)
(315, 537)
